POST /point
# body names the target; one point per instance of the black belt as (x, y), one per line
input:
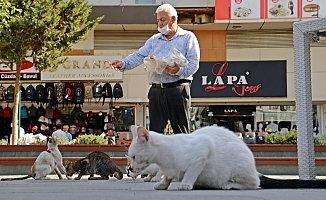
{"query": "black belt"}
(173, 84)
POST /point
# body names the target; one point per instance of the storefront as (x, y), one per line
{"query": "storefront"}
(237, 79)
(244, 86)
(59, 97)
(248, 118)
(243, 66)
(234, 93)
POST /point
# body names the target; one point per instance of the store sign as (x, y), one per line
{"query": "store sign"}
(232, 110)
(269, 9)
(282, 9)
(28, 72)
(240, 79)
(85, 68)
(245, 9)
(313, 8)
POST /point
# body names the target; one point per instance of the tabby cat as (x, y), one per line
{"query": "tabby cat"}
(45, 163)
(94, 163)
(212, 158)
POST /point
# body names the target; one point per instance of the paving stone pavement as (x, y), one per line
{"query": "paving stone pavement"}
(126, 189)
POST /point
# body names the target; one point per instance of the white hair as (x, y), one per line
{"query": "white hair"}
(167, 8)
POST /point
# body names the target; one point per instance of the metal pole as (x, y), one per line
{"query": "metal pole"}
(19, 109)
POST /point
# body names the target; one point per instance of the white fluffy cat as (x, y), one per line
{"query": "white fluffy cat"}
(210, 157)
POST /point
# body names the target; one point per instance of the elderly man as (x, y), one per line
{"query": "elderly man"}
(169, 96)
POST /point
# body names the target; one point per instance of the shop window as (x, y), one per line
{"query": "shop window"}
(316, 118)
(147, 118)
(123, 117)
(278, 118)
(284, 118)
(283, 108)
(199, 117)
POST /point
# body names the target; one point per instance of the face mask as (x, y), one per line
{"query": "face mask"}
(165, 29)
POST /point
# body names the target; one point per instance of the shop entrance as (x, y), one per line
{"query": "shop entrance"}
(234, 123)
(237, 118)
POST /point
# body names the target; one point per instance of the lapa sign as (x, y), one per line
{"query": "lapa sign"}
(84, 68)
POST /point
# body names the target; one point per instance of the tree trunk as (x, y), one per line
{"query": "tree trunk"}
(15, 126)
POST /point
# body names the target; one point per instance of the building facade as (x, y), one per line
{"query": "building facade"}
(246, 74)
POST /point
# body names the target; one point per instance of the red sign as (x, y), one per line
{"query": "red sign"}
(28, 72)
(269, 9)
(240, 85)
(24, 66)
(240, 79)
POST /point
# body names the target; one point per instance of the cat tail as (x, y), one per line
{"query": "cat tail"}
(12, 179)
(270, 183)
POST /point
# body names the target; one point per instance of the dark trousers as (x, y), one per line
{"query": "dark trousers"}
(170, 103)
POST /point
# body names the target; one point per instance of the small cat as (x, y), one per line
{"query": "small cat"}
(153, 171)
(212, 158)
(45, 163)
(94, 163)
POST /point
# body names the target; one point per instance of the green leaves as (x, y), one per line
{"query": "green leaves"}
(6, 10)
(320, 139)
(46, 28)
(64, 140)
(3, 142)
(282, 138)
(90, 139)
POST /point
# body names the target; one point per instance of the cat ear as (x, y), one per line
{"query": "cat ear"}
(142, 134)
(134, 129)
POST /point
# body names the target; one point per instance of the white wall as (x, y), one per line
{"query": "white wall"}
(135, 82)
(86, 44)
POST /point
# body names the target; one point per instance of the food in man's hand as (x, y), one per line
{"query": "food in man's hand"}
(311, 7)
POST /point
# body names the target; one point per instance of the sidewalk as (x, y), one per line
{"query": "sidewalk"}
(125, 177)
(291, 177)
(126, 189)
